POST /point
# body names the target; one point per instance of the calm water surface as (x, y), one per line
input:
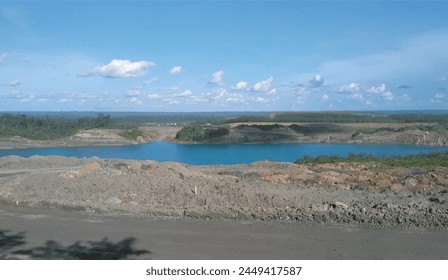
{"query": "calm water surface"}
(223, 154)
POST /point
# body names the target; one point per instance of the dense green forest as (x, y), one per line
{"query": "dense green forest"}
(194, 133)
(46, 128)
(422, 160)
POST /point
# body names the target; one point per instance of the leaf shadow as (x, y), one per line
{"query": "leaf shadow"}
(52, 250)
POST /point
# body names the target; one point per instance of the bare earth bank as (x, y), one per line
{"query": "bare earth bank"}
(330, 194)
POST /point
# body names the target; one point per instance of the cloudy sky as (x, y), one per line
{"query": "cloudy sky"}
(223, 55)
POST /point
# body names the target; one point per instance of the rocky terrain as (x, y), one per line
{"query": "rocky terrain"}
(346, 193)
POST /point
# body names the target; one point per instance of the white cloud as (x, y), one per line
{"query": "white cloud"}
(357, 91)
(304, 89)
(222, 97)
(172, 101)
(235, 99)
(357, 96)
(219, 93)
(302, 93)
(263, 86)
(121, 68)
(272, 92)
(176, 70)
(2, 57)
(184, 93)
(369, 103)
(241, 85)
(133, 93)
(27, 98)
(388, 96)
(18, 95)
(173, 89)
(261, 100)
(150, 81)
(381, 90)
(316, 81)
(217, 78)
(65, 100)
(154, 96)
(438, 98)
(324, 98)
(14, 83)
(377, 90)
(196, 100)
(349, 88)
(136, 101)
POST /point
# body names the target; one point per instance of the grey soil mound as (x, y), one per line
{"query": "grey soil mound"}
(366, 195)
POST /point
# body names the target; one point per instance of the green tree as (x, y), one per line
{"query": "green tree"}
(191, 133)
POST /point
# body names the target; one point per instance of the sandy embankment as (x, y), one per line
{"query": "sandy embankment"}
(343, 193)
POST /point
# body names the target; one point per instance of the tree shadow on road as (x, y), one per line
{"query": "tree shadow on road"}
(52, 250)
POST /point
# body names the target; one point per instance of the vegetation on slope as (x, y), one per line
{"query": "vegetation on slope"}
(194, 133)
(421, 160)
(132, 133)
(46, 128)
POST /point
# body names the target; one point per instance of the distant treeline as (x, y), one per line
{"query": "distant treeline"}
(341, 117)
(46, 128)
(177, 119)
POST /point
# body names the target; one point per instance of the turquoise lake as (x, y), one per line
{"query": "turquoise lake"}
(201, 154)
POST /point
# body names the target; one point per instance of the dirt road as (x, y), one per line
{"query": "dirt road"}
(205, 239)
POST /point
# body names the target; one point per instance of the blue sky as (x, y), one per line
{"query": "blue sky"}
(223, 55)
